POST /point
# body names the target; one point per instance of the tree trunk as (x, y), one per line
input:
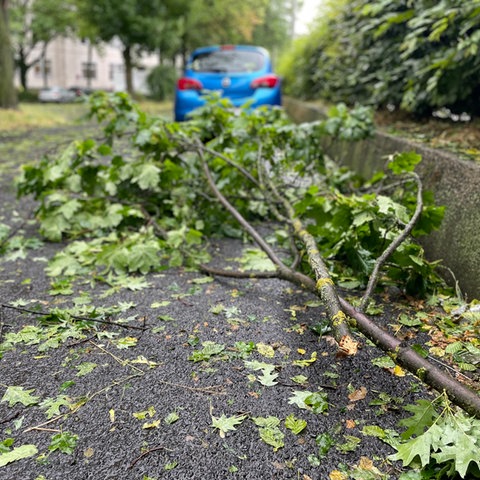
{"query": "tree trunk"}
(127, 58)
(8, 95)
(22, 68)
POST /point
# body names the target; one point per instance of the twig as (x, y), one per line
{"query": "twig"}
(394, 245)
(75, 317)
(236, 273)
(123, 363)
(148, 452)
(228, 160)
(80, 404)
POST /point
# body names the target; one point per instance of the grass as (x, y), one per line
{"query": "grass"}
(41, 115)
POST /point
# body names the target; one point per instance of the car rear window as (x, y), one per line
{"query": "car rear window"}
(228, 61)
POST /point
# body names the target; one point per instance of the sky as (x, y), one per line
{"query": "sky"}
(306, 15)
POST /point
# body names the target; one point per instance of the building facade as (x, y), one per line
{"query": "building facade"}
(71, 62)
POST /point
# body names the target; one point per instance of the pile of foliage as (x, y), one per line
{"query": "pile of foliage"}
(136, 200)
(419, 56)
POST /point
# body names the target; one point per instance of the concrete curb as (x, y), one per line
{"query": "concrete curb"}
(453, 181)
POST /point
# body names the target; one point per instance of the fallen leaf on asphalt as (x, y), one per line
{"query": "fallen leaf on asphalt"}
(336, 475)
(350, 424)
(357, 395)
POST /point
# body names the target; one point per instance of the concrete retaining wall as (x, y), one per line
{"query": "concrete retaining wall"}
(454, 182)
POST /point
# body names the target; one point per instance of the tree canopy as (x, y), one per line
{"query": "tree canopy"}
(33, 25)
(418, 56)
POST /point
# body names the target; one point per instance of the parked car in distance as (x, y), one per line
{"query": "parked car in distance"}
(81, 91)
(242, 73)
(56, 95)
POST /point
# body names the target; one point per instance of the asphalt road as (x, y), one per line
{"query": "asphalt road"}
(147, 407)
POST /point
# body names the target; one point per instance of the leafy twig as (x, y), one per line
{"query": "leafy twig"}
(394, 245)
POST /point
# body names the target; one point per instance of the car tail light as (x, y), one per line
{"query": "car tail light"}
(185, 83)
(267, 81)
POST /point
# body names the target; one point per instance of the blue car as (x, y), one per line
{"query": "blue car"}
(241, 73)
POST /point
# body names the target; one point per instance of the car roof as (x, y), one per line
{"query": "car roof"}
(213, 48)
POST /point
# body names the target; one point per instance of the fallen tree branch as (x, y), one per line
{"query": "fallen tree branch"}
(400, 353)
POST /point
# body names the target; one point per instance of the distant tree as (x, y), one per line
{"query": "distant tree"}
(34, 24)
(275, 31)
(8, 96)
(136, 23)
(205, 22)
(418, 56)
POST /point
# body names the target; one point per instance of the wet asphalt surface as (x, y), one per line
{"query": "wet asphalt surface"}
(178, 313)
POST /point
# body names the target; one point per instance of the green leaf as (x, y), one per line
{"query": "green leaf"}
(164, 303)
(314, 401)
(272, 436)
(300, 379)
(85, 368)
(15, 395)
(225, 424)
(383, 362)
(143, 257)
(317, 402)
(268, 378)
(203, 280)
(269, 431)
(256, 259)
(404, 162)
(147, 177)
(416, 447)
(53, 405)
(350, 445)
(296, 425)
(209, 350)
(265, 350)
(172, 417)
(298, 398)
(6, 445)
(266, 422)
(170, 465)
(306, 362)
(424, 415)
(145, 413)
(17, 453)
(460, 444)
(324, 442)
(126, 342)
(65, 442)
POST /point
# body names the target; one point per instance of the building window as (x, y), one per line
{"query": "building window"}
(89, 70)
(114, 70)
(43, 66)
